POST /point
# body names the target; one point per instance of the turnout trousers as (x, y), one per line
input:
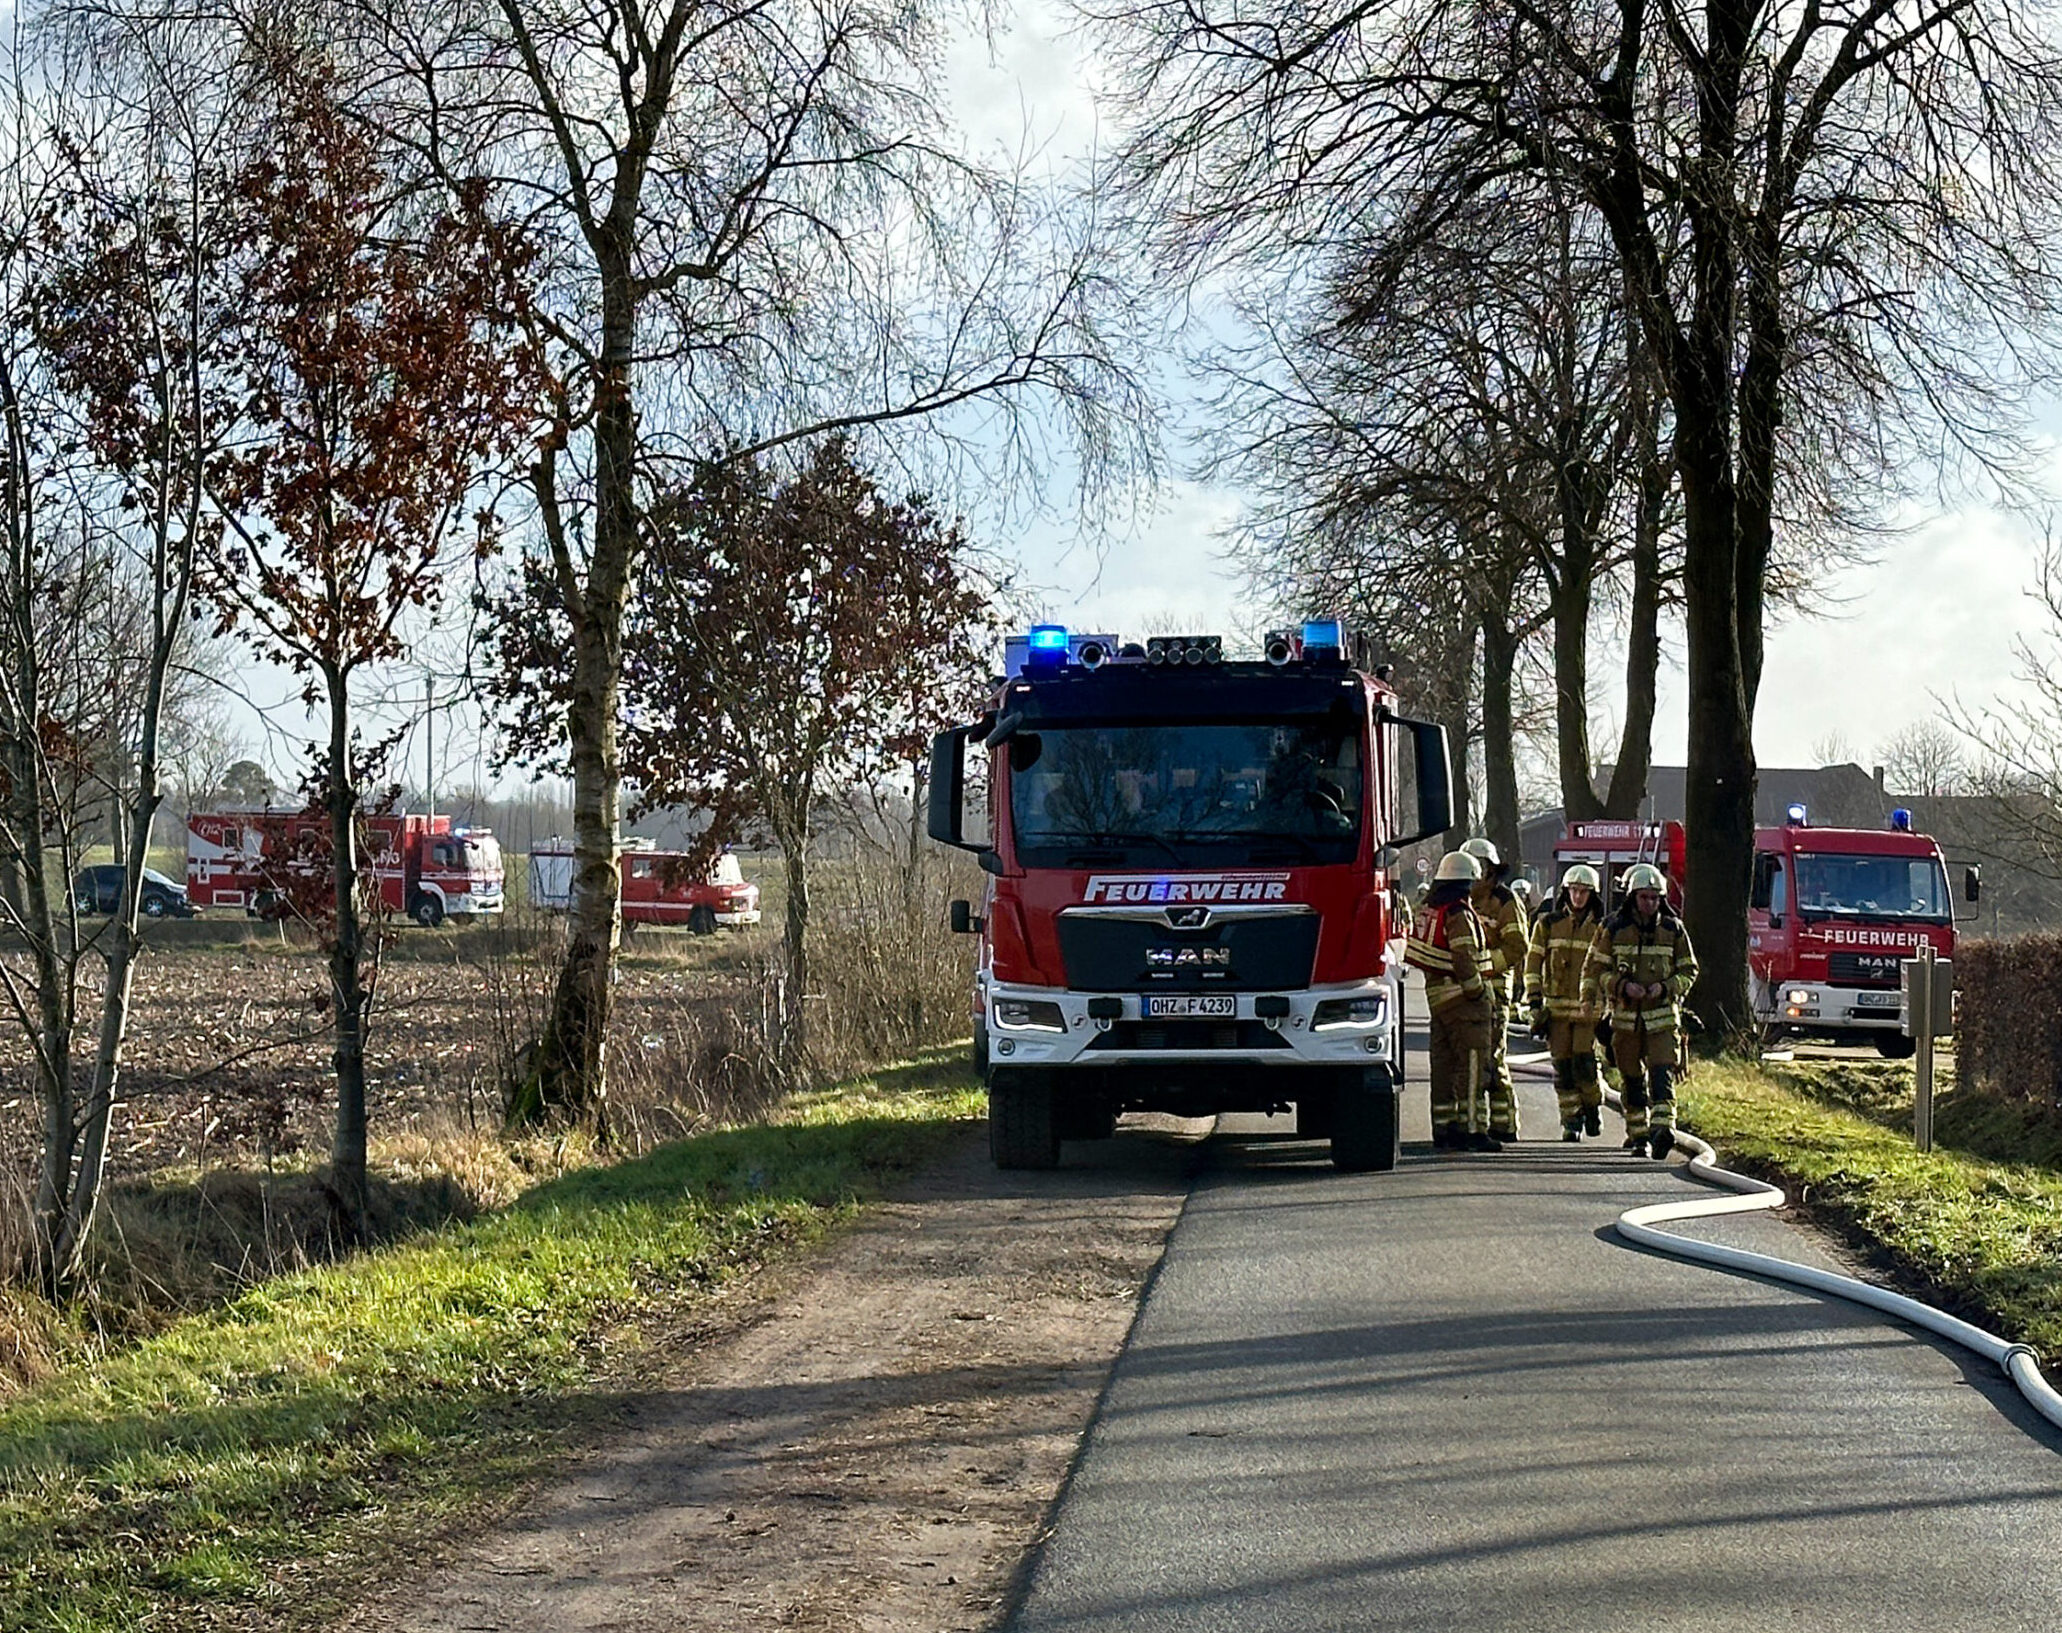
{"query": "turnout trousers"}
(1503, 1093)
(1647, 1062)
(1572, 1045)
(1461, 1066)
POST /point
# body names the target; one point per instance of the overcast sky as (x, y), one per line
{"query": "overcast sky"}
(1938, 612)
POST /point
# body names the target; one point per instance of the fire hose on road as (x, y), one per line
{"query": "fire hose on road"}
(2019, 1362)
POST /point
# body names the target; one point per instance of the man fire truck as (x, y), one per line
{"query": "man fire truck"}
(1832, 914)
(1190, 905)
(264, 861)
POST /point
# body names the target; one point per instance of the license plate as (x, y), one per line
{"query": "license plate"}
(1175, 1005)
(1875, 1000)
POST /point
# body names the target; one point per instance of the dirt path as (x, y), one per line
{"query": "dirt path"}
(876, 1450)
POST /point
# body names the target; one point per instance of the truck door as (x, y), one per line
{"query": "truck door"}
(1768, 913)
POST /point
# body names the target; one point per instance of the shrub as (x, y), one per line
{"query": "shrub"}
(2010, 1029)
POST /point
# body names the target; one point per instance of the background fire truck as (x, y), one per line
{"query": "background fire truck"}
(264, 861)
(659, 887)
(1832, 914)
(1190, 904)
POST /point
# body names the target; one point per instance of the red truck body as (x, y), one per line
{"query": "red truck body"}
(659, 887)
(1832, 915)
(262, 860)
(1191, 900)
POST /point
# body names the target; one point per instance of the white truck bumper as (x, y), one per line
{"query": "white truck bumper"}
(1813, 1005)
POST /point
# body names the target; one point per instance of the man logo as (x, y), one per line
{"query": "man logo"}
(1188, 958)
(1188, 918)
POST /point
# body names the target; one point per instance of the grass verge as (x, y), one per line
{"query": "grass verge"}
(185, 1480)
(1966, 1228)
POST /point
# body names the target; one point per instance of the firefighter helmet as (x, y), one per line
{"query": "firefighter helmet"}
(1644, 876)
(1522, 889)
(1581, 874)
(1458, 865)
(1484, 851)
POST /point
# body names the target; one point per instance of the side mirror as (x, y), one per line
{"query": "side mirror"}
(1972, 884)
(1432, 769)
(965, 921)
(946, 816)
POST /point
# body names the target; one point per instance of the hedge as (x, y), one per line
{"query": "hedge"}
(2009, 1040)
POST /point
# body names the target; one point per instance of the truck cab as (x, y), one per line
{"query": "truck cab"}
(1832, 915)
(1191, 873)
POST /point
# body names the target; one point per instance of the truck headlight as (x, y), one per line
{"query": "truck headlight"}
(1333, 1012)
(1798, 995)
(1029, 1014)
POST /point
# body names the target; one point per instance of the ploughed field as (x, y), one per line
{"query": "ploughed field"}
(228, 1061)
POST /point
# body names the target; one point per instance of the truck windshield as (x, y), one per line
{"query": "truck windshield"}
(1186, 794)
(1876, 887)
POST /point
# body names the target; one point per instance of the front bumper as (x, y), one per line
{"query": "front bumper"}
(1240, 1039)
(1814, 1006)
(466, 906)
(739, 919)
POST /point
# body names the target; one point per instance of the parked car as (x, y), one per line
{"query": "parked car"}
(99, 890)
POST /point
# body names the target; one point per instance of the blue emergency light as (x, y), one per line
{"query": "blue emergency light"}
(1046, 646)
(1901, 820)
(1796, 815)
(1323, 634)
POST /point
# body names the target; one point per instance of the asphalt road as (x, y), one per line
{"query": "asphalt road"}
(1449, 1398)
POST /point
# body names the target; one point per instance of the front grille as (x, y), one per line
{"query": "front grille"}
(1259, 954)
(1189, 1035)
(1864, 969)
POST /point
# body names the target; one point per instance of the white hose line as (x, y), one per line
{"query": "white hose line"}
(2020, 1362)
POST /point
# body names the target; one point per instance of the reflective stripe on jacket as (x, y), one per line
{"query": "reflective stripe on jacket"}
(1446, 943)
(1558, 977)
(1503, 930)
(1657, 952)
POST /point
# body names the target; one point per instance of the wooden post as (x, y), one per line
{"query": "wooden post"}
(1921, 1001)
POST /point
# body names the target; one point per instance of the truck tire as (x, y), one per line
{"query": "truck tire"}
(1023, 1120)
(427, 911)
(702, 921)
(1366, 1136)
(980, 1049)
(1896, 1046)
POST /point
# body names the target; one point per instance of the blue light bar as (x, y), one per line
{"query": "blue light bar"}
(1901, 820)
(1048, 638)
(1326, 634)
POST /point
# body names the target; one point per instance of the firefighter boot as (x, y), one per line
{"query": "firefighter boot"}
(1634, 1099)
(1570, 1098)
(1592, 1122)
(1661, 1134)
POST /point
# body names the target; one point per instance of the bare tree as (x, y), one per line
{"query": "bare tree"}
(1926, 757)
(757, 230)
(1835, 223)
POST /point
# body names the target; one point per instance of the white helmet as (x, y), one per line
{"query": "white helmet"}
(1458, 865)
(1522, 889)
(1581, 874)
(1645, 876)
(1484, 852)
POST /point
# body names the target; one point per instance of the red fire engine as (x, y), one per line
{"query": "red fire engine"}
(1190, 904)
(1832, 915)
(263, 860)
(659, 887)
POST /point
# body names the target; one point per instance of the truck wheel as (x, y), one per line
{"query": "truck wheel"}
(1023, 1125)
(1896, 1046)
(980, 1049)
(702, 921)
(427, 912)
(1316, 1108)
(1366, 1137)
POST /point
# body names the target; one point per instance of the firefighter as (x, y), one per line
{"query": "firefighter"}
(1503, 931)
(1644, 967)
(1561, 993)
(1446, 945)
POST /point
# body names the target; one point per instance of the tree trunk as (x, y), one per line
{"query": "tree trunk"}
(1571, 610)
(347, 1175)
(1499, 737)
(794, 946)
(568, 1076)
(1643, 644)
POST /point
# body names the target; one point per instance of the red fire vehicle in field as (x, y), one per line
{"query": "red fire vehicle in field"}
(262, 860)
(659, 887)
(1190, 904)
(1833, 914)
